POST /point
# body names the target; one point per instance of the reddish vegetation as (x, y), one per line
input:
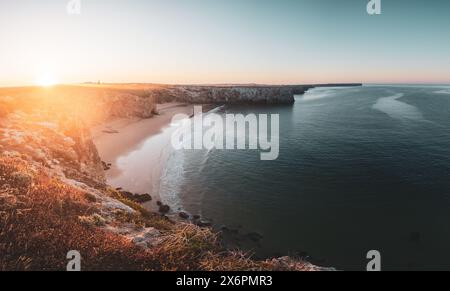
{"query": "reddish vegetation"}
(52, 200)
(39, 225)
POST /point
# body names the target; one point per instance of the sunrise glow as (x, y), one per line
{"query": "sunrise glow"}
(46, 80)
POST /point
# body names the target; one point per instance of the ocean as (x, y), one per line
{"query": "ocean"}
(360, 169)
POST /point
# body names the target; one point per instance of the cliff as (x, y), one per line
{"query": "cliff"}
(65, 147)
(54, 198)
(89, 103)
(237, 94)
(232, 94)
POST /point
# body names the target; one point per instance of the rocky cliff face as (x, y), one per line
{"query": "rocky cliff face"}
(126, 104)
(53, 193)
(90, 104)
(63, 147)
(50, 126)
(228, 94)
(235, 94)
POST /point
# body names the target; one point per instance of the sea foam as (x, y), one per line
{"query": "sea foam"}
(397, 109)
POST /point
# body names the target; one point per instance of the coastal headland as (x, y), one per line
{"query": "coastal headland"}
(59, 148)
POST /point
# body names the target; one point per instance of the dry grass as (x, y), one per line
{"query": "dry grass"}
(144, 217)
(229, 261)
(6, 106)
(186, 247)
(39, 225)
(42, 218)
(40, 222)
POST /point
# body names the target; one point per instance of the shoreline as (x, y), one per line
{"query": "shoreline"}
(144, 142)
(64, 163)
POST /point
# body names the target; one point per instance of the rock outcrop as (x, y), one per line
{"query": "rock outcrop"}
(127, 105)
(62, 147)
(91, 104)
(235, 94)
(232, 94)
(52, 177)
(289, 264)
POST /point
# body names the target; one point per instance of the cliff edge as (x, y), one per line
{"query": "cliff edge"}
(54, 197)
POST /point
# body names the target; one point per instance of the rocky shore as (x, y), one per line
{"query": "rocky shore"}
(53, 185)
(237, 94)
(232, 94)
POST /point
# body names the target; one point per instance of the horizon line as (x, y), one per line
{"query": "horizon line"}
(230, 84)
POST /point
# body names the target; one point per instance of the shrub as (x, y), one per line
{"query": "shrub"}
(42, 219)
(145, 217)
(38, 233)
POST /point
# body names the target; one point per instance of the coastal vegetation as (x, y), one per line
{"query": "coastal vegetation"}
(54, 197)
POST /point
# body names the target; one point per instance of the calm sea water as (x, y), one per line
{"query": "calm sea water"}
(359, 169)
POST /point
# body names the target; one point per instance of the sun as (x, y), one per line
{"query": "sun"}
(46, 80)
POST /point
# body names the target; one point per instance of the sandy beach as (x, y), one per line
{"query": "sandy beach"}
(138, 149)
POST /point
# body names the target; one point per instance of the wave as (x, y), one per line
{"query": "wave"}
(326, 92)
(172, 180)
(318, 93)
(174, 175)
(444, 91)
(397, 109)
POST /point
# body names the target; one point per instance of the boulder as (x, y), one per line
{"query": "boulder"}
(183, 215)
(127, 195)
(139, 198)
(106, 166)
(204, 223)
(142, 198)
(164, 209)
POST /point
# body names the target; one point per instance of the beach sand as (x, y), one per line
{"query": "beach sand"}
(138, 149)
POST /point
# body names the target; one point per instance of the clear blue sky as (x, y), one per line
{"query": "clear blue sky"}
(225, 41)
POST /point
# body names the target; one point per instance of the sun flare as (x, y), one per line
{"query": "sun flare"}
(46, 80)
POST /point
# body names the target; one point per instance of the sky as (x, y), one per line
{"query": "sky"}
(224, 41)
